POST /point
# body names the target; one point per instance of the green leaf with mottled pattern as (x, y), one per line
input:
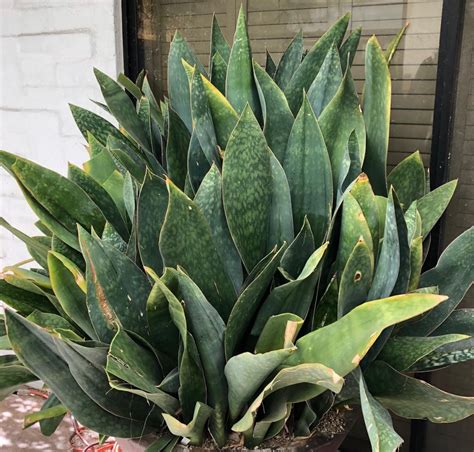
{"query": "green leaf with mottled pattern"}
(290, 61)
(151, 210)
(299, 251)
(383, 438)
(356, 278)
(177, 149)
(415, 399)
(122, 108)
(101, 198)
(69, 293)
(117, 289)
(416, 263)
(308, 169)
(22, 300)
(460, 321)
(365, 322)
(198, 165)
(452, 353)
(307, 70)
(164, 335)
(67, 202)
(293, 297)
(186, 240)
(270, 66)
(209, 199)
(223, 114)
(432, 206)
(134, 363)
(326, 83)
(387, 270)
(280, 227)
(89, 122)
(12, 375)
(248, 302)
(277, 116)
(402, 352)
(218, 72)
(408, 179)
(207, 327)
(38, 349)
(338, 121)
(353, 226)
(246, 181)
(178, 85)
(457, 261)
(377, 101)
(348, 49)
(35, 246)
(192, 385)
(218, 42)
(240, 87)
(202, 119)
(362, 192)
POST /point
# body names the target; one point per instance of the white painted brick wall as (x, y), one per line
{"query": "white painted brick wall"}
(47, 51)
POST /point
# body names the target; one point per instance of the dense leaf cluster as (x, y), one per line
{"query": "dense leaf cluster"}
(235, 258)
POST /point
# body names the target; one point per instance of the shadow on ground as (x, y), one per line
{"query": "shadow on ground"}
(14, 438)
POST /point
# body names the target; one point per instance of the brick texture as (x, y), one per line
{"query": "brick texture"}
(47, 51)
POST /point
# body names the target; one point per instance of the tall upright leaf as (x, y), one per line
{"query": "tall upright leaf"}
(246, 181)
(308, 169)
(377, 101)
(186, 240)
(178, 85)
(177, 149)
(151, 210)
(218, 42)
(326, 83)
(117, 289)
(208, 328)
(307, 70)
(348, 49)
(123, 109)
(209, 199)
(240, 85)
(277, 117)
(290, 61)
(338, 121)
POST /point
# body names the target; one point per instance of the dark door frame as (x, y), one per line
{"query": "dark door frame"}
(450, 40)
(442, 133)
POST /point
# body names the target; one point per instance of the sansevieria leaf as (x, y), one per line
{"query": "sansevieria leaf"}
(240, 86)
(246, 183)
(308, 168)
(178, 85)
(415, 399)
(307, 70)
(377, 95)
(186, 240)
(365, 322)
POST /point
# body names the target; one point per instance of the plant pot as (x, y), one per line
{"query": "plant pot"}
(315, 443)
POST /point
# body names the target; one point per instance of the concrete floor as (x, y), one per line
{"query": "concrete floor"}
(14, 438)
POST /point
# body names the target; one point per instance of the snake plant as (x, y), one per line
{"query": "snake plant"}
(235, 258)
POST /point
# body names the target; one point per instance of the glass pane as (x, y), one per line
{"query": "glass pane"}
(273, 23)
